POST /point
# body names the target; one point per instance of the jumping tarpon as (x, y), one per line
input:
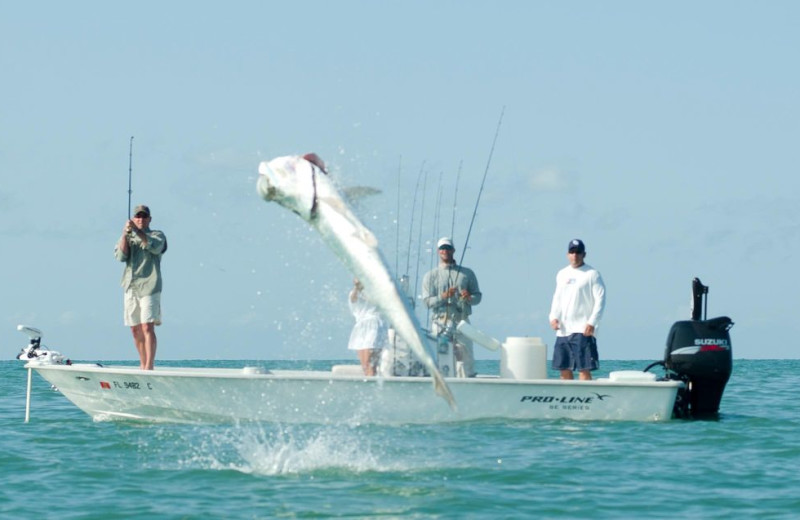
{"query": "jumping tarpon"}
(301, 184)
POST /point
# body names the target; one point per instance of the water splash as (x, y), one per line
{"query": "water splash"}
(285, 450)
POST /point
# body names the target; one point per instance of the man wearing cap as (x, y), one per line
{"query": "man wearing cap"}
(141, 248)
(575, 313)
(450, 291)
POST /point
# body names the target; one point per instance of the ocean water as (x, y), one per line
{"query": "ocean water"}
(744, 465)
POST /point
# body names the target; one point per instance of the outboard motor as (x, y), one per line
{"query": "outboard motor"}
(699, 354)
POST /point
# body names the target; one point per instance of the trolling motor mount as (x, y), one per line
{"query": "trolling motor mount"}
(35, 352)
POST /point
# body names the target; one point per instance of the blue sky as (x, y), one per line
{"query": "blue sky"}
(662, 134)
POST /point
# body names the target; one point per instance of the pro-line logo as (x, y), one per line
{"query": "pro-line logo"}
(564, 399)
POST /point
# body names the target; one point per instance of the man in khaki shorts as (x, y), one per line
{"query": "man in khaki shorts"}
(141, 248)
(450, 291)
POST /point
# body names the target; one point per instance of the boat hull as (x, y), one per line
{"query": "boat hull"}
(200, 395)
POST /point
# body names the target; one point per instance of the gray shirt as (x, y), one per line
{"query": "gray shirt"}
(444, 277)
(142, 273)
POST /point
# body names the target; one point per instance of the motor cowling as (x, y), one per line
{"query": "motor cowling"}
(699, 353)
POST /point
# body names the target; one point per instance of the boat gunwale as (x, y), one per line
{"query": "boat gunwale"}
(327, 375)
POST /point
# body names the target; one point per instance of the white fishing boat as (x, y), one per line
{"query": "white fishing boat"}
(697, 366)
(345, 396)
(697, 362)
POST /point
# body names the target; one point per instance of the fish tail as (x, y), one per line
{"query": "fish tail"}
(443, 390)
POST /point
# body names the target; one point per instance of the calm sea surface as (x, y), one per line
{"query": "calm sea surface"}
(744, 465)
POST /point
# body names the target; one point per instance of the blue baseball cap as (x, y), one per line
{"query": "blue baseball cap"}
(576, 246)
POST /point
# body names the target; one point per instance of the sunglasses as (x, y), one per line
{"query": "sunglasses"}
(141, 215)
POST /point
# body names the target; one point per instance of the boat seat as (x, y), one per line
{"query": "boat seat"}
(631, 375)
(347, 370)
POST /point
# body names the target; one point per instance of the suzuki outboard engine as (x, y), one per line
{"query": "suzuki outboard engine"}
(699, 354)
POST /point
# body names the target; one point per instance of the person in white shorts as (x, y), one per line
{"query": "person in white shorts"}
(141, 249)
(370, 333)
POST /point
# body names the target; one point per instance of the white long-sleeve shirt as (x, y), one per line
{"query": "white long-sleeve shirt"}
(579, 299)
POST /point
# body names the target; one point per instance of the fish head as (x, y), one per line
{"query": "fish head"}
(289, 181)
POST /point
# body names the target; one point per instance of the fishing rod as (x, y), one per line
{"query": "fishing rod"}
(397, 222)
(436, 224)
(486, 171)
(411, 224)
(130, 176)
(419, 238)
(437, 218)
(455, 200)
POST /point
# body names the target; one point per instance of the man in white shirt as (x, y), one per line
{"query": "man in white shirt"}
(575, 313)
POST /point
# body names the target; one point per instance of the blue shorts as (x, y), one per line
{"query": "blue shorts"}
(575, 352)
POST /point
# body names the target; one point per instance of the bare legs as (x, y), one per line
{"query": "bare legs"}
(367, 358)
(583, 375)
(144, 337)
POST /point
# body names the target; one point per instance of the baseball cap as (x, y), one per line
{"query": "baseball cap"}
(445, 242)
(576, 245)
(141, 208)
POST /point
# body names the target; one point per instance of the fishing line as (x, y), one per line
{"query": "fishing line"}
(477, 202)
(130, 176)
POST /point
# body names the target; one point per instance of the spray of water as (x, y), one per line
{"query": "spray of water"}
(270, 450)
